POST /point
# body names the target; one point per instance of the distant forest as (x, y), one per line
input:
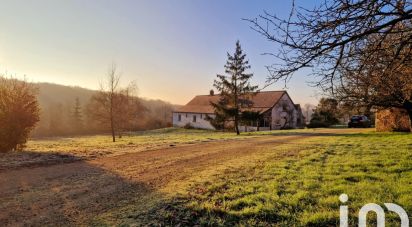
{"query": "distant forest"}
(62, 107)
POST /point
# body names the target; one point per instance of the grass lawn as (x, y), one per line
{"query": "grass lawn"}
(298, 184)
(183, 177)
(66, 149)
(102, 145)
(44, 151)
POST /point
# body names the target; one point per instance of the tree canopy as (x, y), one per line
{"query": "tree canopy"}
(359, 50)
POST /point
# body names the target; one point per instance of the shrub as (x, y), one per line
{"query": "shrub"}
(188, 126)
(322, 120)
(317, 124)
(19, 113)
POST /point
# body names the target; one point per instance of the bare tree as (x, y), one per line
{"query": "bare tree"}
(335, 38)
(112, 84)
(379, 80)
(115, 107)
(127, 108)
(103, 104)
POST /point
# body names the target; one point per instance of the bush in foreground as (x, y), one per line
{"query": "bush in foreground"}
(19, 113)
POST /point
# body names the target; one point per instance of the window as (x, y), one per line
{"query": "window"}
(201, 116)
(179, 117)
(194, 118)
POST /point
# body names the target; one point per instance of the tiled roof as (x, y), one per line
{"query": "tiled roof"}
(262, 101)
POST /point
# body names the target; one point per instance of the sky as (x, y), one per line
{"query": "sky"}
(171, 49)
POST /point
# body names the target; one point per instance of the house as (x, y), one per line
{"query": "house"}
(277, 108)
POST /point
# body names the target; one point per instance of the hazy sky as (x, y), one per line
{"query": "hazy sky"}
(172, 49)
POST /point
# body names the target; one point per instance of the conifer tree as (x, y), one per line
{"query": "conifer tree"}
(234, 88)
(77, 116)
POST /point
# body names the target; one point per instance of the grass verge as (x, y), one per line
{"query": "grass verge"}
(298, 184)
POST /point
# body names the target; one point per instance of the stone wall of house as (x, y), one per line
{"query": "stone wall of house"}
(284, 114)
(392, 119)
(188, 118)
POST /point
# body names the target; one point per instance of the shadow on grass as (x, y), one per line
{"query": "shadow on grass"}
(62, 195)
(22, 159)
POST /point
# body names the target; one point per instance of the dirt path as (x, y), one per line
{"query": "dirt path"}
(73, 193)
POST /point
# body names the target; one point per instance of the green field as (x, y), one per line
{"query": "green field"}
(65, 149)
(183, 177)
(299, 184)
(102, 145)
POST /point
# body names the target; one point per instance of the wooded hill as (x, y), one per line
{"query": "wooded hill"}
(58, 104)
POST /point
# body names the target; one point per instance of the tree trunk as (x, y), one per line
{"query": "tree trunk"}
(237, 126)
(368, 112)
(112, 128)
(111, 121)
(408, 107)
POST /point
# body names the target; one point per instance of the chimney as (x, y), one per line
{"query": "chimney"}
(211, 92)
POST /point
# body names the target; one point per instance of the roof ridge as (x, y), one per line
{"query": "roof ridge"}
(272, 91)
(201, 103)
(249, 92)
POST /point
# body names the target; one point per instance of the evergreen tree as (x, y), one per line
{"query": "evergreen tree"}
(218, 121)
(249, 116)
(325, 114)
(234, 87)
(77, 116)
